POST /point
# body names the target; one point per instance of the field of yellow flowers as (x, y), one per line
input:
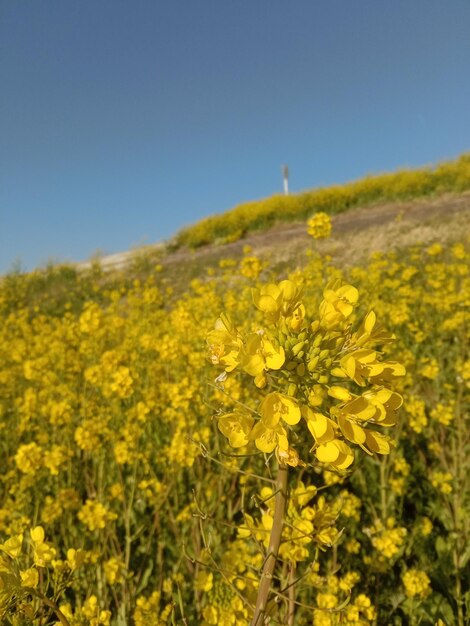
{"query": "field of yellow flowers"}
(149, 435)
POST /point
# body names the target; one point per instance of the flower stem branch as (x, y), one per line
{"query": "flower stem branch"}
(273, 549)
(62, 619)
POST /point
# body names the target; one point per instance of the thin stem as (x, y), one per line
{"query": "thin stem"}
(383, 489)
(63, 620)
(273, 549)
(291, 591)
(458, 460)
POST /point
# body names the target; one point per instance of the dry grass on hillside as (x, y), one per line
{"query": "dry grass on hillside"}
(356, 234)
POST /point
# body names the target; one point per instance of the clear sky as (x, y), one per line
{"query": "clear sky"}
(124, 120)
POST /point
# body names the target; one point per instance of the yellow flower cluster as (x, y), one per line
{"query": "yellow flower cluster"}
(398, 479)
(442, 481)
(388, 539)
(357, 612)
(416, 583)
(307, 524)
(319, 226)
(23, 570)
(147, 611)
(95, 515)
(304, 358)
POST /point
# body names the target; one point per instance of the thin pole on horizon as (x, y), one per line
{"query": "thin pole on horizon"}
(285, 175)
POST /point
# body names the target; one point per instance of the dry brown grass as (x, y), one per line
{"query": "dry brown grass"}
(356, 234)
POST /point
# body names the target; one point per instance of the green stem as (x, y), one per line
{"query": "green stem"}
(63, 620)
(291, 605)
(273, 549)
(458, 459)
(383, 490)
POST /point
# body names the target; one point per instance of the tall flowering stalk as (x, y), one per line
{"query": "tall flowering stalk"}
(322, 383)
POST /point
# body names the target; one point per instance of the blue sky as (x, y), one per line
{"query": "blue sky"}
(123, 121)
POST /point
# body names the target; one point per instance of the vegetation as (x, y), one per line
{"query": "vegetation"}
(237, 452)
(453, 176)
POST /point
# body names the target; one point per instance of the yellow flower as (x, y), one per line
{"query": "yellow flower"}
(29, 577)
(444, 414)
(95, 515)
(75, 558)
(337, 305)
(434, 249)
(276, 406)
(276, 300)
(13, 546)
(336, 453)
(203, 581)
(55, 457)
(260, 354)
(425, 526)
(319, 225)
(442, 481)
(29, 458)
(236, 427)
(416, 583)
(113, 570)
(267, 439)
(388, 541)
(122, 382)
(224, 343)
(43, 553)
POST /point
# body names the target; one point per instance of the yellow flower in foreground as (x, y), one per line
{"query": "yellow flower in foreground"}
(276, 300)
(276, 406)
(337, 304)
(224, 343)
(266, 439)
(236, 427)
(335, 452)
(261, 355)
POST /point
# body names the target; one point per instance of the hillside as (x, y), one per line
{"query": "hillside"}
(356, 233)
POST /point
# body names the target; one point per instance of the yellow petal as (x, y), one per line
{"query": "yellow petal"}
(340, 393)
(328, 452)
(350, 293)
(319, 425)
(360, 408)
(349, 366)
(293, 411)
(377, 442)
(37, 534)
(289, 289)
(267, 304)
(274, 358)
(351, 431)
(369, 322)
